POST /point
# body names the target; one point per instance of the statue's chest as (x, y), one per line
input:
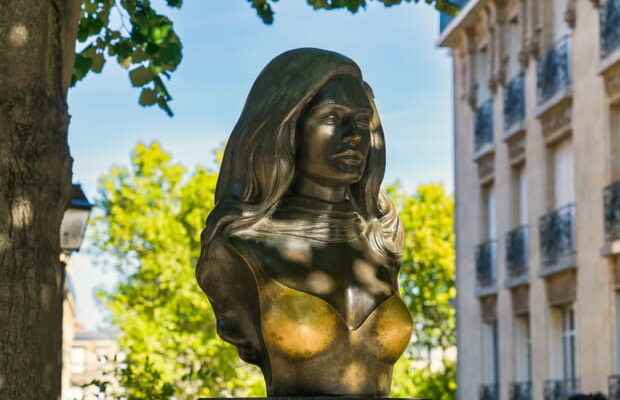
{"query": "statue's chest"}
(338, 273)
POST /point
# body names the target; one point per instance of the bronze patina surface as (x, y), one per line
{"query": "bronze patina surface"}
(300, 255)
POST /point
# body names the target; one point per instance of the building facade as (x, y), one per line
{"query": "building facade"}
(69, 323)
(537, 175)
(92, 356)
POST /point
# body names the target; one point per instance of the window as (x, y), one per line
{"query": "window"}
(519, 195)
(614, 142)
(78, 359)
(568, 343)
(513, 36)
(483, 74)
(490, 352)
(554, 21)
(562, 174)
(617, 294)
(563, 346)
(560, 27)
(489, 230)
(523, 349)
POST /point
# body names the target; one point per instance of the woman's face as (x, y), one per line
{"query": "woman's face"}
(333, 137)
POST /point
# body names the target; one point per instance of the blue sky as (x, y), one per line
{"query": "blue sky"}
(225, 47)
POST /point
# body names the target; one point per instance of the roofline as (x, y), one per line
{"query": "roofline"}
(78, 198)
(448, 34)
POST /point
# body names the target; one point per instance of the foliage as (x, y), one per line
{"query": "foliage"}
(153, 213)
(428, 273)
(265, 11)
(152, 216)
(143, 40)
(427, 280)
(411, 379)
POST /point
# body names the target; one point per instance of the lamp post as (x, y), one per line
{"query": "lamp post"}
(72, 229)
(74, 221)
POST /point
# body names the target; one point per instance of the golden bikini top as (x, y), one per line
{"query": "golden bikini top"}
(302, 326)
(305, 337)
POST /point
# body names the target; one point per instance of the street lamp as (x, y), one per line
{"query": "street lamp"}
(74, 221)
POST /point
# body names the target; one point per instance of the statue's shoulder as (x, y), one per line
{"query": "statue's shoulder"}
(222, 261)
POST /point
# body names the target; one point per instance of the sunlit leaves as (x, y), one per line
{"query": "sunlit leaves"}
(427, 281)
(151, 216)
(142, 40)
(427, 273)
(426, 381)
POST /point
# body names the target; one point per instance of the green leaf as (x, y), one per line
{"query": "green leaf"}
(81, 67)
(83, 31)
(90, 6)
(163, 104)
(160, 33)
(175, 3)
(98, 61)
(140, 76)
(148, 97)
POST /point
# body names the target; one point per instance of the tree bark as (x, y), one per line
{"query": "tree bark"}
(37, 42)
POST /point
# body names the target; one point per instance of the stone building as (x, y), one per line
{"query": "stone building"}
(93, 354)
(69, 323)
(537, 175)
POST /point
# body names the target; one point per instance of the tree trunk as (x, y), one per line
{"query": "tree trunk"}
(37, 40)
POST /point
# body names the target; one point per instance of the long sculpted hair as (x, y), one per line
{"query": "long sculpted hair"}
(258, 166)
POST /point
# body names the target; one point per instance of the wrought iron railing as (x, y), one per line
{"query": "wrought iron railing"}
(488, 392)
(517, 252)
(614, 387)
(554, 70)
(611, 199)
(610, 27)
(557, 235)
(483, 129)
(485, 264)
(514, 102)
(561, 389)
(521, 391)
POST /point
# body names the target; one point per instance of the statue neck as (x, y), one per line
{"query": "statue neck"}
(308, 187)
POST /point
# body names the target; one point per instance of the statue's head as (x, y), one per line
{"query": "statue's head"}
(308, 112)
(333, 133)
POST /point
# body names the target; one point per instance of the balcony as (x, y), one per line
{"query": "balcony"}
(486, 265)
(554, 71)
(517, 256)
(488, 392)
(557, 239)
(610, 27)
(483, 130)
(514, 104)
(521, 391)
(561, 389)
(611, 199)
(614, 387)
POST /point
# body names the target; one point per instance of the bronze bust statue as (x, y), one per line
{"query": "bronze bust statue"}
(300, 255)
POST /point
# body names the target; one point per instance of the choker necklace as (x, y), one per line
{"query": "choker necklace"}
(313, 219)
